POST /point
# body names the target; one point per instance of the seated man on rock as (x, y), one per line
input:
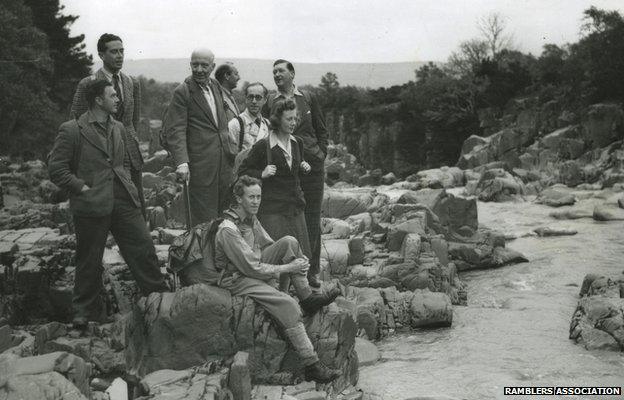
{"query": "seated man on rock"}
(250, 261)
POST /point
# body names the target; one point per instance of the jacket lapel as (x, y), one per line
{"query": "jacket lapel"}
(90, 134)
(118, 143)
(127, 93)
(99, 74)
(219, 101)
(198, 96)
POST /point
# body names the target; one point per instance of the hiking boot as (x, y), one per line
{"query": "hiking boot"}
(313, 281)
(318, 372)
(316, 301)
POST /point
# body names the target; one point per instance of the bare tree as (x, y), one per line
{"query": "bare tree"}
(493, 28)
(470, 54)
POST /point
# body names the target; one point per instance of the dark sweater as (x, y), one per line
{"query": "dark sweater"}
(311, 128)
(281, 193)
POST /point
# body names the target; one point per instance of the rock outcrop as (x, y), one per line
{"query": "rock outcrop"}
(598, 322)
(586, 151)
(201, 323)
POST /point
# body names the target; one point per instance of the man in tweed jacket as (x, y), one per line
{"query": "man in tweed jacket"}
(111, 51)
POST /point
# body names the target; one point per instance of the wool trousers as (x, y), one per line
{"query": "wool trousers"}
(127, 225)
(282, 307)
(313, 185)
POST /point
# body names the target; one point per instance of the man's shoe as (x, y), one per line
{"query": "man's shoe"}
(313, 281)
(320, 373)
(316, 301)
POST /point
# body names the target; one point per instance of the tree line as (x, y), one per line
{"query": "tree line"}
(424, 121)
(431, 116)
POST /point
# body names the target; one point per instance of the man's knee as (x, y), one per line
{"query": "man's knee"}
(289, 241)
(292, 307)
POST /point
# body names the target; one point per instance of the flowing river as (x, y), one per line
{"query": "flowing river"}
(514, 331)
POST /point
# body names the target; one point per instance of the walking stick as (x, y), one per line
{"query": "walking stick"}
(187, 204)
(189, 226)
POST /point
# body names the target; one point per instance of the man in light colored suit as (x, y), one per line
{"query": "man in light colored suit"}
(196, 135)
(227, 76)
(111, 51)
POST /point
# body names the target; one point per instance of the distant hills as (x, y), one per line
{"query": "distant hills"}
(372, 75)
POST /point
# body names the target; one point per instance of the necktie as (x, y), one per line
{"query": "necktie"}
(211, 101)
(258, 122)
(120, 108)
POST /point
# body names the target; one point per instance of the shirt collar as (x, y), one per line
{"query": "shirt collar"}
(240, 214)
(296, 92)
(109, 75)
(250, 118)
(274, 142)
(92, 120)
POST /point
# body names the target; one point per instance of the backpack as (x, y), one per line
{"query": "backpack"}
(192, 254)
(162, 137)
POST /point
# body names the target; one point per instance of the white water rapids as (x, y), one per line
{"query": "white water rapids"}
(514, 331)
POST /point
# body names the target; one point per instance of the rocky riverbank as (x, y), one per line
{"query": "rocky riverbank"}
(395, 248)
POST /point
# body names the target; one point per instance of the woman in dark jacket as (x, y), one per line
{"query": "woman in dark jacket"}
(278, 161)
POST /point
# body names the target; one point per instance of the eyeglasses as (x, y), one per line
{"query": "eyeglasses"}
(256, 97)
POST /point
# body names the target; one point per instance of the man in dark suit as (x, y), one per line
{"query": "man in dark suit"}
(196, 132)
(227, 76)
(89, 160)
(312, 131)
(111, 51)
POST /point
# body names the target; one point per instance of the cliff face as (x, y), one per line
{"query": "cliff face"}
(548, 132)
(375, 137)
(554, 144)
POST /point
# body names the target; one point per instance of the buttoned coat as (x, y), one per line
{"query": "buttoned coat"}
(194, 137)
(132, 110)
(80, 157)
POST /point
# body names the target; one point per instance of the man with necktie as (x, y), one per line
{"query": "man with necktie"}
(196, 134)
(111, 51)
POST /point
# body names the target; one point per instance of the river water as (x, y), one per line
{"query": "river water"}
(514, 331)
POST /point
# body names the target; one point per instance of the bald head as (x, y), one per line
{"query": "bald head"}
(202, 64)
(202, 52)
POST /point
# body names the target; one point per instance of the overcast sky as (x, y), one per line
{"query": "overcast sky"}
(322, 30)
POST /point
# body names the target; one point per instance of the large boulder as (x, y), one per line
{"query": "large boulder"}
(444, 177)
(556, 196)
(598, 322)
(497, 184)
(476, 151)
(430, 310)
(56, 375)
(186, 384)
(203, 323)
(457, 212)
(336, 252)
(555, 141)
(427, 197)
(604, 124)
(608, 213)
(343, 203)
(179, 330)
(397, 232)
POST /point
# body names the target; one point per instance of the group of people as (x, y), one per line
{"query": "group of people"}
(261, 170)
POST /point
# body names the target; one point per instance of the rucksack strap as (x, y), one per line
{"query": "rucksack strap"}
(268, 151)
(241, 133)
